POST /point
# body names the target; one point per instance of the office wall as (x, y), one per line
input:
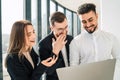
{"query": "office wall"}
(110, 19)
(110, 16)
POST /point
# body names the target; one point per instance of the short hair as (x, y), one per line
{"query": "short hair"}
(57, 17)
(85, 8)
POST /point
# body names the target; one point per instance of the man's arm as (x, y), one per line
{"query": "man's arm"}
(74, 53)
(116, 48)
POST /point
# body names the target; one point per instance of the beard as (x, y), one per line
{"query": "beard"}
(91, 30)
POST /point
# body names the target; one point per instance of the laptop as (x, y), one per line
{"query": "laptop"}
(102, 70)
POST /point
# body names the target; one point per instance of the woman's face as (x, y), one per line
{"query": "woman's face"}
(30, 36)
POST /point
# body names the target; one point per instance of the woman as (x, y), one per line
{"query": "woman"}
(22, 61)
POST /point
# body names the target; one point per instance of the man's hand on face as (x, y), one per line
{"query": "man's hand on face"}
(58, 44)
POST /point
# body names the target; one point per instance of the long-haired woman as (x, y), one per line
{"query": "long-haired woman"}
(22, 61)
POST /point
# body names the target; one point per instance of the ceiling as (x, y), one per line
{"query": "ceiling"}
(74, 4)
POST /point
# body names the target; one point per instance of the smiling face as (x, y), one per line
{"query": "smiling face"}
(89, 21)
(30, 36)
(60, 28)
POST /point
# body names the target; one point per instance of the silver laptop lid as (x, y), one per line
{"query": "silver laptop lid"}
(103, 70)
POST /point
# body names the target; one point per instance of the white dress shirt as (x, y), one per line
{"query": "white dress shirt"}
(64, 54)
(98, 46)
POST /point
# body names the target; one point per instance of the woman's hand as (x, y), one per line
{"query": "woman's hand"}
(49, 61)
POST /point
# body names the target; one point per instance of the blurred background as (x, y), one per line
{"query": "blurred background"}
(38, 12)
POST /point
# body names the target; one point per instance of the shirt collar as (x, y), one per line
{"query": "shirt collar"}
(96, 33)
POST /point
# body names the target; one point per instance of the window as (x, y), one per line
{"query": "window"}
(52, 7)
(75, 24)
(78, 26)
(10, 13)
(61, 9)
(34, 15)
(44, 17)
(69, 18)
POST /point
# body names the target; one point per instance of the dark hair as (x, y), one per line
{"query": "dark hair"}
(57, 17)
(85, 8)
(17, 38)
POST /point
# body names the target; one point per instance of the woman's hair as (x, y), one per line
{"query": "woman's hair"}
(17, 38)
